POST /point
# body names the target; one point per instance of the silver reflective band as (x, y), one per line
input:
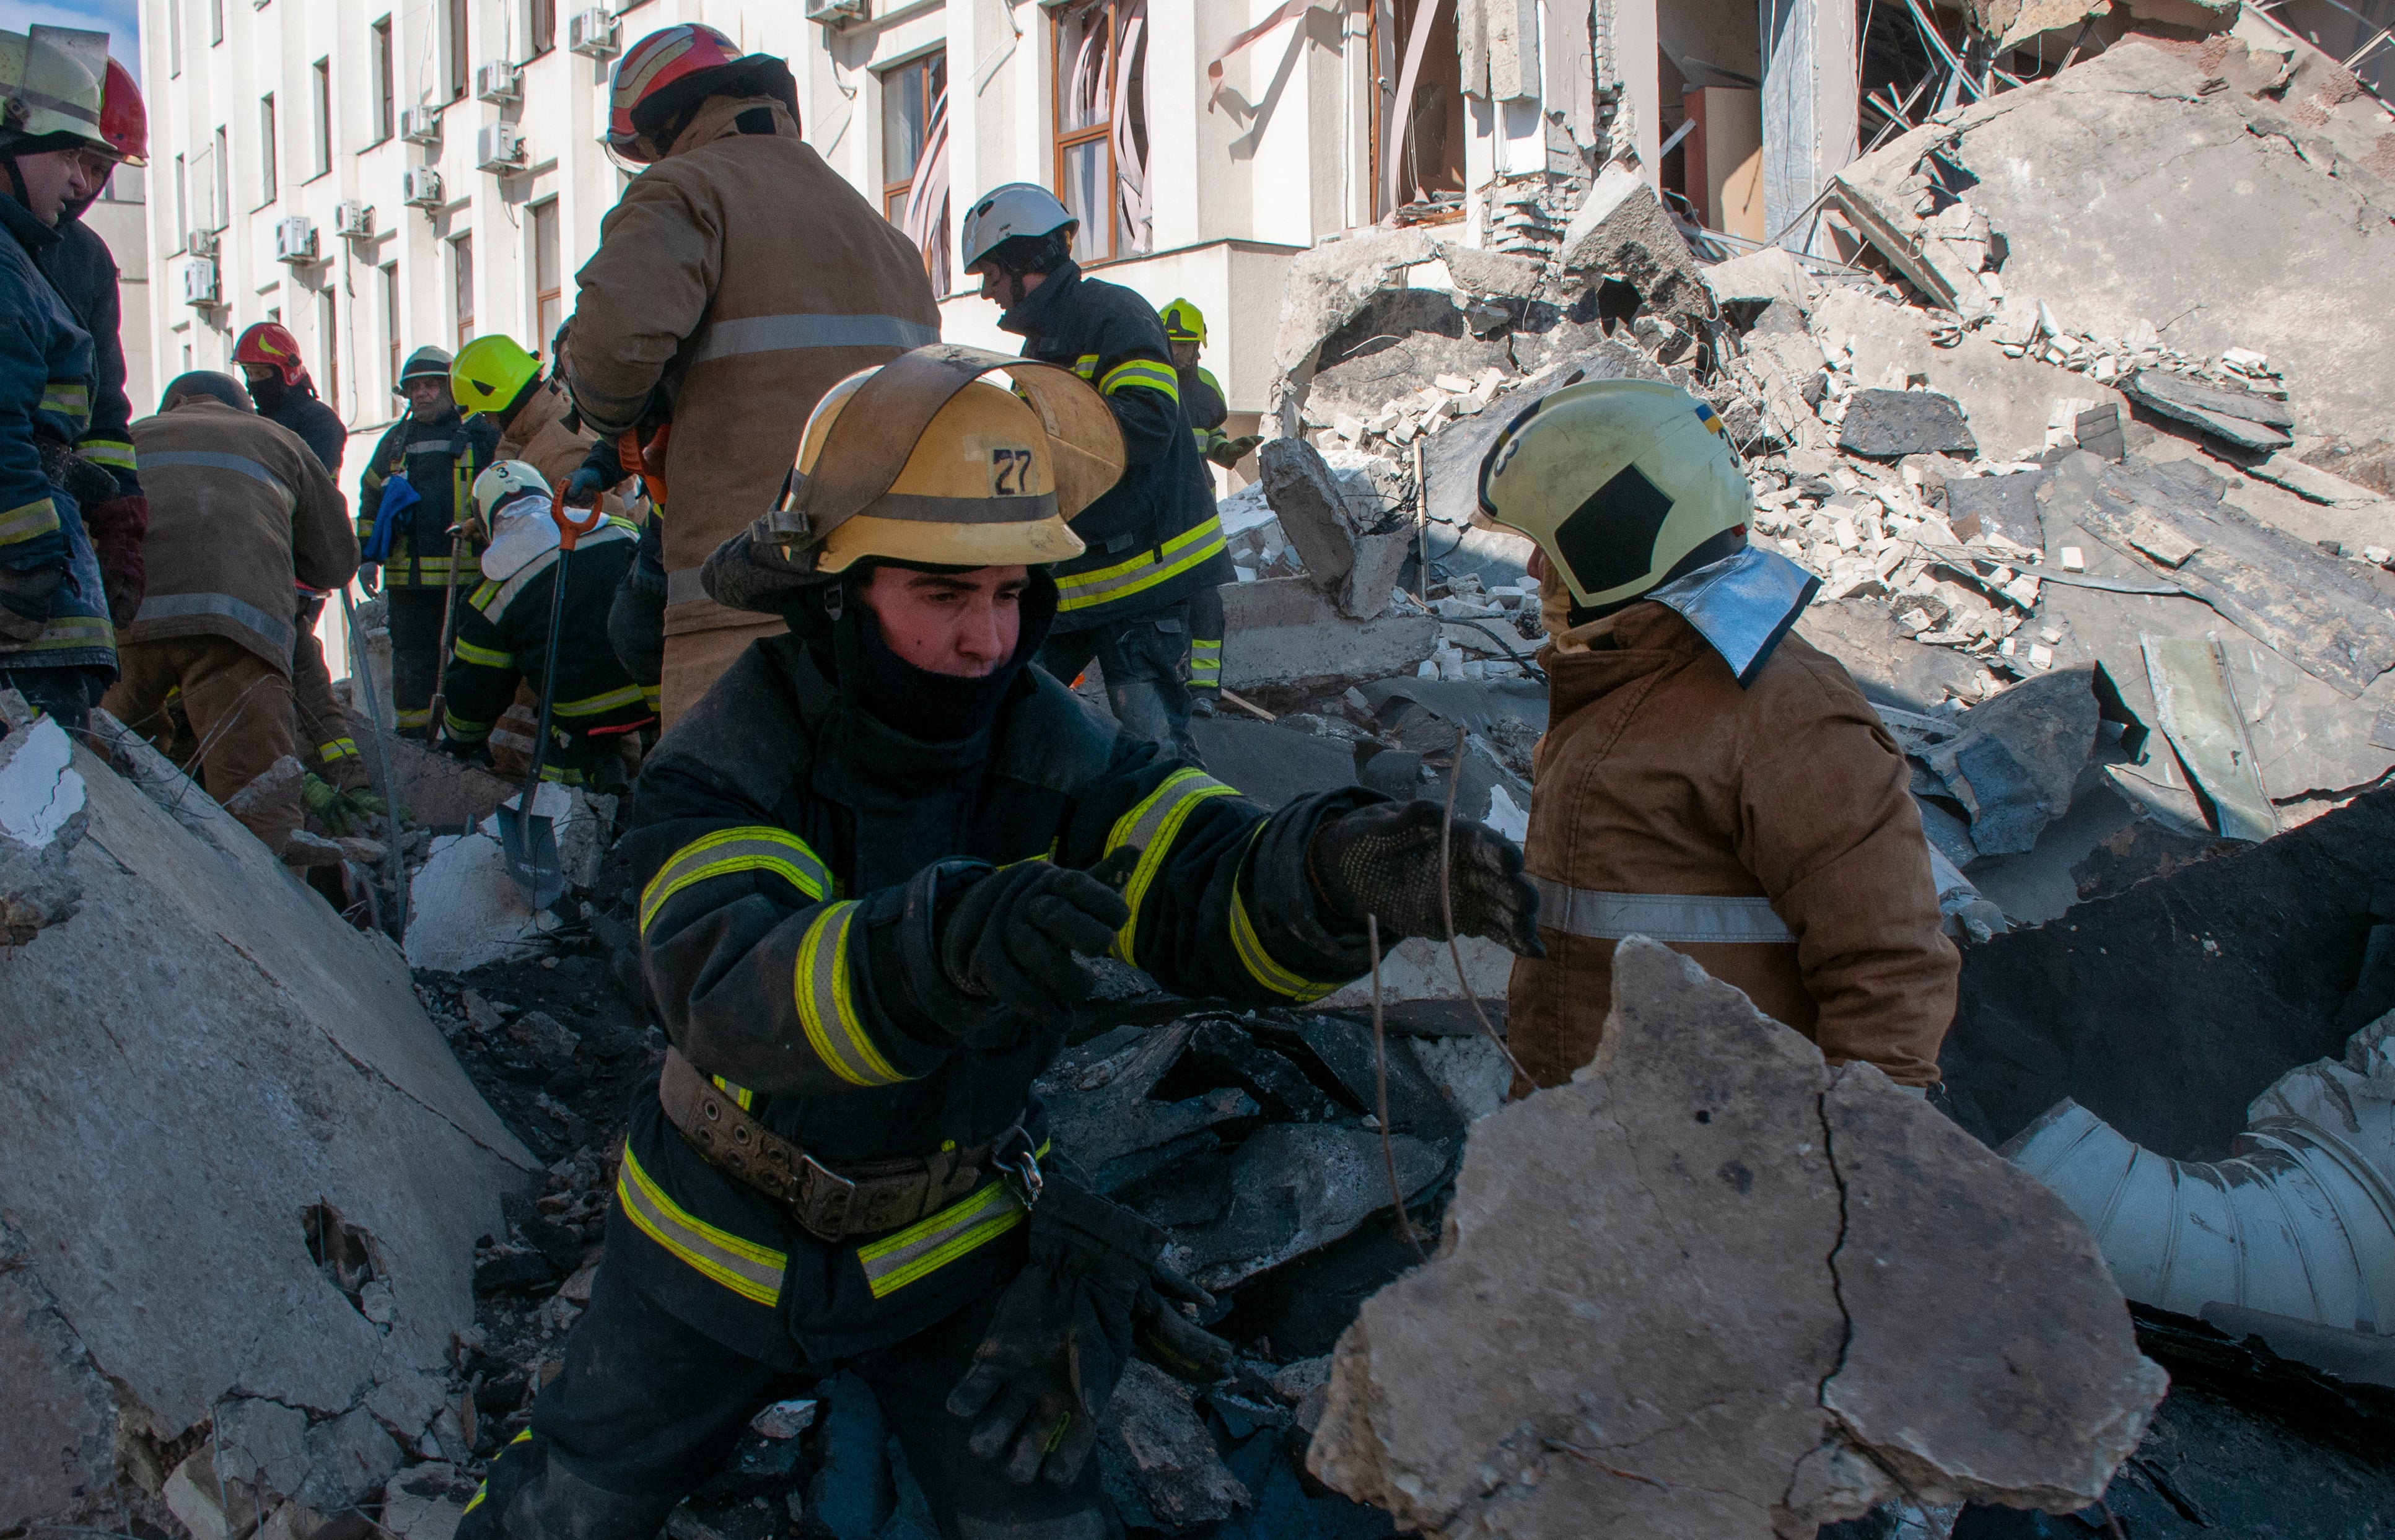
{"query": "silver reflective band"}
(1686, 918)
(212, 461)
(174, 607)
(776, 333)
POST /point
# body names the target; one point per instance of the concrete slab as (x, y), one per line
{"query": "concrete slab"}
(1282, 630)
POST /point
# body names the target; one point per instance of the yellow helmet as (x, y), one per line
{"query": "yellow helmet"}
(1184, 323)
(988, 476)
(1617, 480)
(488, 373)
(51, 84)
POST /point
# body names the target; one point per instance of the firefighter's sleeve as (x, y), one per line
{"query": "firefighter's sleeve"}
(1220, 901)
(1201, 397)
(370, 483)
(30, 535)
(642, 295)
(1832, 835)
(1134, 373)
(481, 681)
(324, 546)
(109, 442)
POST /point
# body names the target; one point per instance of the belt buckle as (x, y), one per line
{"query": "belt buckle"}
(826, 1198)
(1018, 1160)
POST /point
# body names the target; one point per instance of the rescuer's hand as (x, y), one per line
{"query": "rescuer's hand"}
(1171, 1340)
(1383, 861)
(1012, 937)
(582, 489)
(369, 574)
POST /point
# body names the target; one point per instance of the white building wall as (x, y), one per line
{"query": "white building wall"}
(119, 218)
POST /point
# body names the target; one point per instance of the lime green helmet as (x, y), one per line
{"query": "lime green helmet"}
(1184, 321)
(1619, 482)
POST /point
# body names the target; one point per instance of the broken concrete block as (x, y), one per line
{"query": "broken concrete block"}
(1490, 274)
(1285, 630)
(1621, 230)
(1769, 276)
(271, 795)
(2162, 542)
(1419, 968)
(41, 820)
(209, 1507)
(1156, 1445)
(263, 1444)
(1911, 1318)
(465, 911)
(1365, 593)
(1891, 424)
(348, 1457)
(2312, 482)
(1313, 511)
(406, 1516)
(2246, 420)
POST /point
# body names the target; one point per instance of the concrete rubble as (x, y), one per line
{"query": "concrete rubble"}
(1913, 1318)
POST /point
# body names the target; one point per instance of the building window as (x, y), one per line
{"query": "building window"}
(175, 37)
(1418, 145)
(548, 274)
(915, 158)
(216, 22)
(461, 267)
(386, 121)
(320, 94)
(182, 204)
(391, 320)
(328, 348)
(542, 26)
(461, 68)
(266, 155)
(220, 190)
(1101, 134)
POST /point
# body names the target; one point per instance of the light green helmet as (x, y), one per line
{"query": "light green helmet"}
(1618, 480)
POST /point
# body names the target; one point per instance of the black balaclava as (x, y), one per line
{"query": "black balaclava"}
(267, 390)
(844, 637)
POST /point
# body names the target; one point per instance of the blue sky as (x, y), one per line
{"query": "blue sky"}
(118, 19)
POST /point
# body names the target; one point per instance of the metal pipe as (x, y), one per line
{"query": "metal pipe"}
(2299, 1222)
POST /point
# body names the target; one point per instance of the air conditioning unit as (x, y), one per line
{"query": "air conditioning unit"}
(295, 239)
(499, 147)
(498, 82)
(420, 126)
(835, 13)
(353, 218)
(201, 241)
(200, 281)
(420, 187)
(591, 34)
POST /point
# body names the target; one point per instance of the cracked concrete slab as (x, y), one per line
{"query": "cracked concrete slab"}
(1716, 1288)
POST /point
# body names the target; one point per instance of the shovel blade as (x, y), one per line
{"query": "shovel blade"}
(530, 844)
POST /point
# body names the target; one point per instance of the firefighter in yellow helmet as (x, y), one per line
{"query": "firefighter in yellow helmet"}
(1708, 778)
(1202, 399)
(869, 860)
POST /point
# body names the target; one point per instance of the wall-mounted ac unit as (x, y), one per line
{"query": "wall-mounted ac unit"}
(420, 187)
(295, 239)
(420, 124)
(353, 218)
(499, 147)
(592, 34)
(498, 82)
(200, 281)
(835, 13)
(201, 241)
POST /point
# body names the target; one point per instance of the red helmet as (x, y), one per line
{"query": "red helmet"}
(123, 121)
(672, 55)
(270, 344)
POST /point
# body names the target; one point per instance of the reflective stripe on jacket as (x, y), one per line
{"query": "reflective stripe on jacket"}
(46, 380)
(503, 636)
(87, 276)
(440, 460)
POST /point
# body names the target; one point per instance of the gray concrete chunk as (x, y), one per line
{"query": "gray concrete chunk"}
(1891, 424)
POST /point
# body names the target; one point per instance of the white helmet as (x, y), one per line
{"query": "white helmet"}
(1017, 208)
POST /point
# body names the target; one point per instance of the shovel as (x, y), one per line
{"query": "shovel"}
(528, 839)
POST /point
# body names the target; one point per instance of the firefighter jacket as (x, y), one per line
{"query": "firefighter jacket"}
(86, 273)
(503, 636)
(1152, 533)
(1766, 831)
(542, 435)
(791, 853)
(47, 379)
(440, 457)
(739, 278)
(240, 510)
(319, 427)
(1201, 398)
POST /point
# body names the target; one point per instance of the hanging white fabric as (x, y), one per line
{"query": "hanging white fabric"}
(926, 217)
(1130, 161)
(1397, 143)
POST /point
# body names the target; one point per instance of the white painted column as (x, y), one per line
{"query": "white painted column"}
(1811, 111)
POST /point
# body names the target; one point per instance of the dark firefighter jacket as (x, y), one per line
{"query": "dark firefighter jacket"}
(503, 636)
(790, 856)
(440, 458)
(319, 427)
(1151, 536)
(47, 375)
(87, 276)
(1201, 398)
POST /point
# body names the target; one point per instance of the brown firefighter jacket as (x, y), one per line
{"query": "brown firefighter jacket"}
(744, 277)
(539, 437)
(1766, 832)
(239, 510)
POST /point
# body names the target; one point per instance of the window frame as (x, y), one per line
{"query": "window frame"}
(1061, 140)
(461, 287)
(320, 91)
(216, 22)
(548, 219)
(269, 179)
(381, 46)
(328, 344)
(182, 204)
(458, 22)
(932, 67)
(390, 272)
(540, 28)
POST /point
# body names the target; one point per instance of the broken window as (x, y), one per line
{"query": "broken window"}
(1418, 137)
(915, 158)
(1101, 134)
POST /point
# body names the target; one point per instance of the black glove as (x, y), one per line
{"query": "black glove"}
(1061, 1335)
(1171, 1340)
(582, 489)
(25, 599)
(1383, 861)
(1010, 936)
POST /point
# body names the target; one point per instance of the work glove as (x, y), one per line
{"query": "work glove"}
(369, 574)
(1171, 1340)
(117, 528)
(1012, 935)
(582, 489)
(1383, 861)
(1230, 452)
(1044, 1374)
(25, 601)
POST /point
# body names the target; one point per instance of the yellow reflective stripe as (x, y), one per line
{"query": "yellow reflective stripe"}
(1252, 955)
(67, 400)
(1145, 570)
(115, 453)
(462, 729)
(29, 521)
(740, 1094)
(69, 631)
(417, 718)
(750, 848)
(1150, 829)
(746, 1269)
(487, 657)
(652, 697)
(1142, 373)
(827, 1006)
(1205, 661)
(339, 748)
(482, 596)
(1086, 366)
(923, 1249)
(592, 705)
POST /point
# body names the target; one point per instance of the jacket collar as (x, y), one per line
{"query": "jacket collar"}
(1741, 605)
(31, 233)
(1031, 318)
(719, 118)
